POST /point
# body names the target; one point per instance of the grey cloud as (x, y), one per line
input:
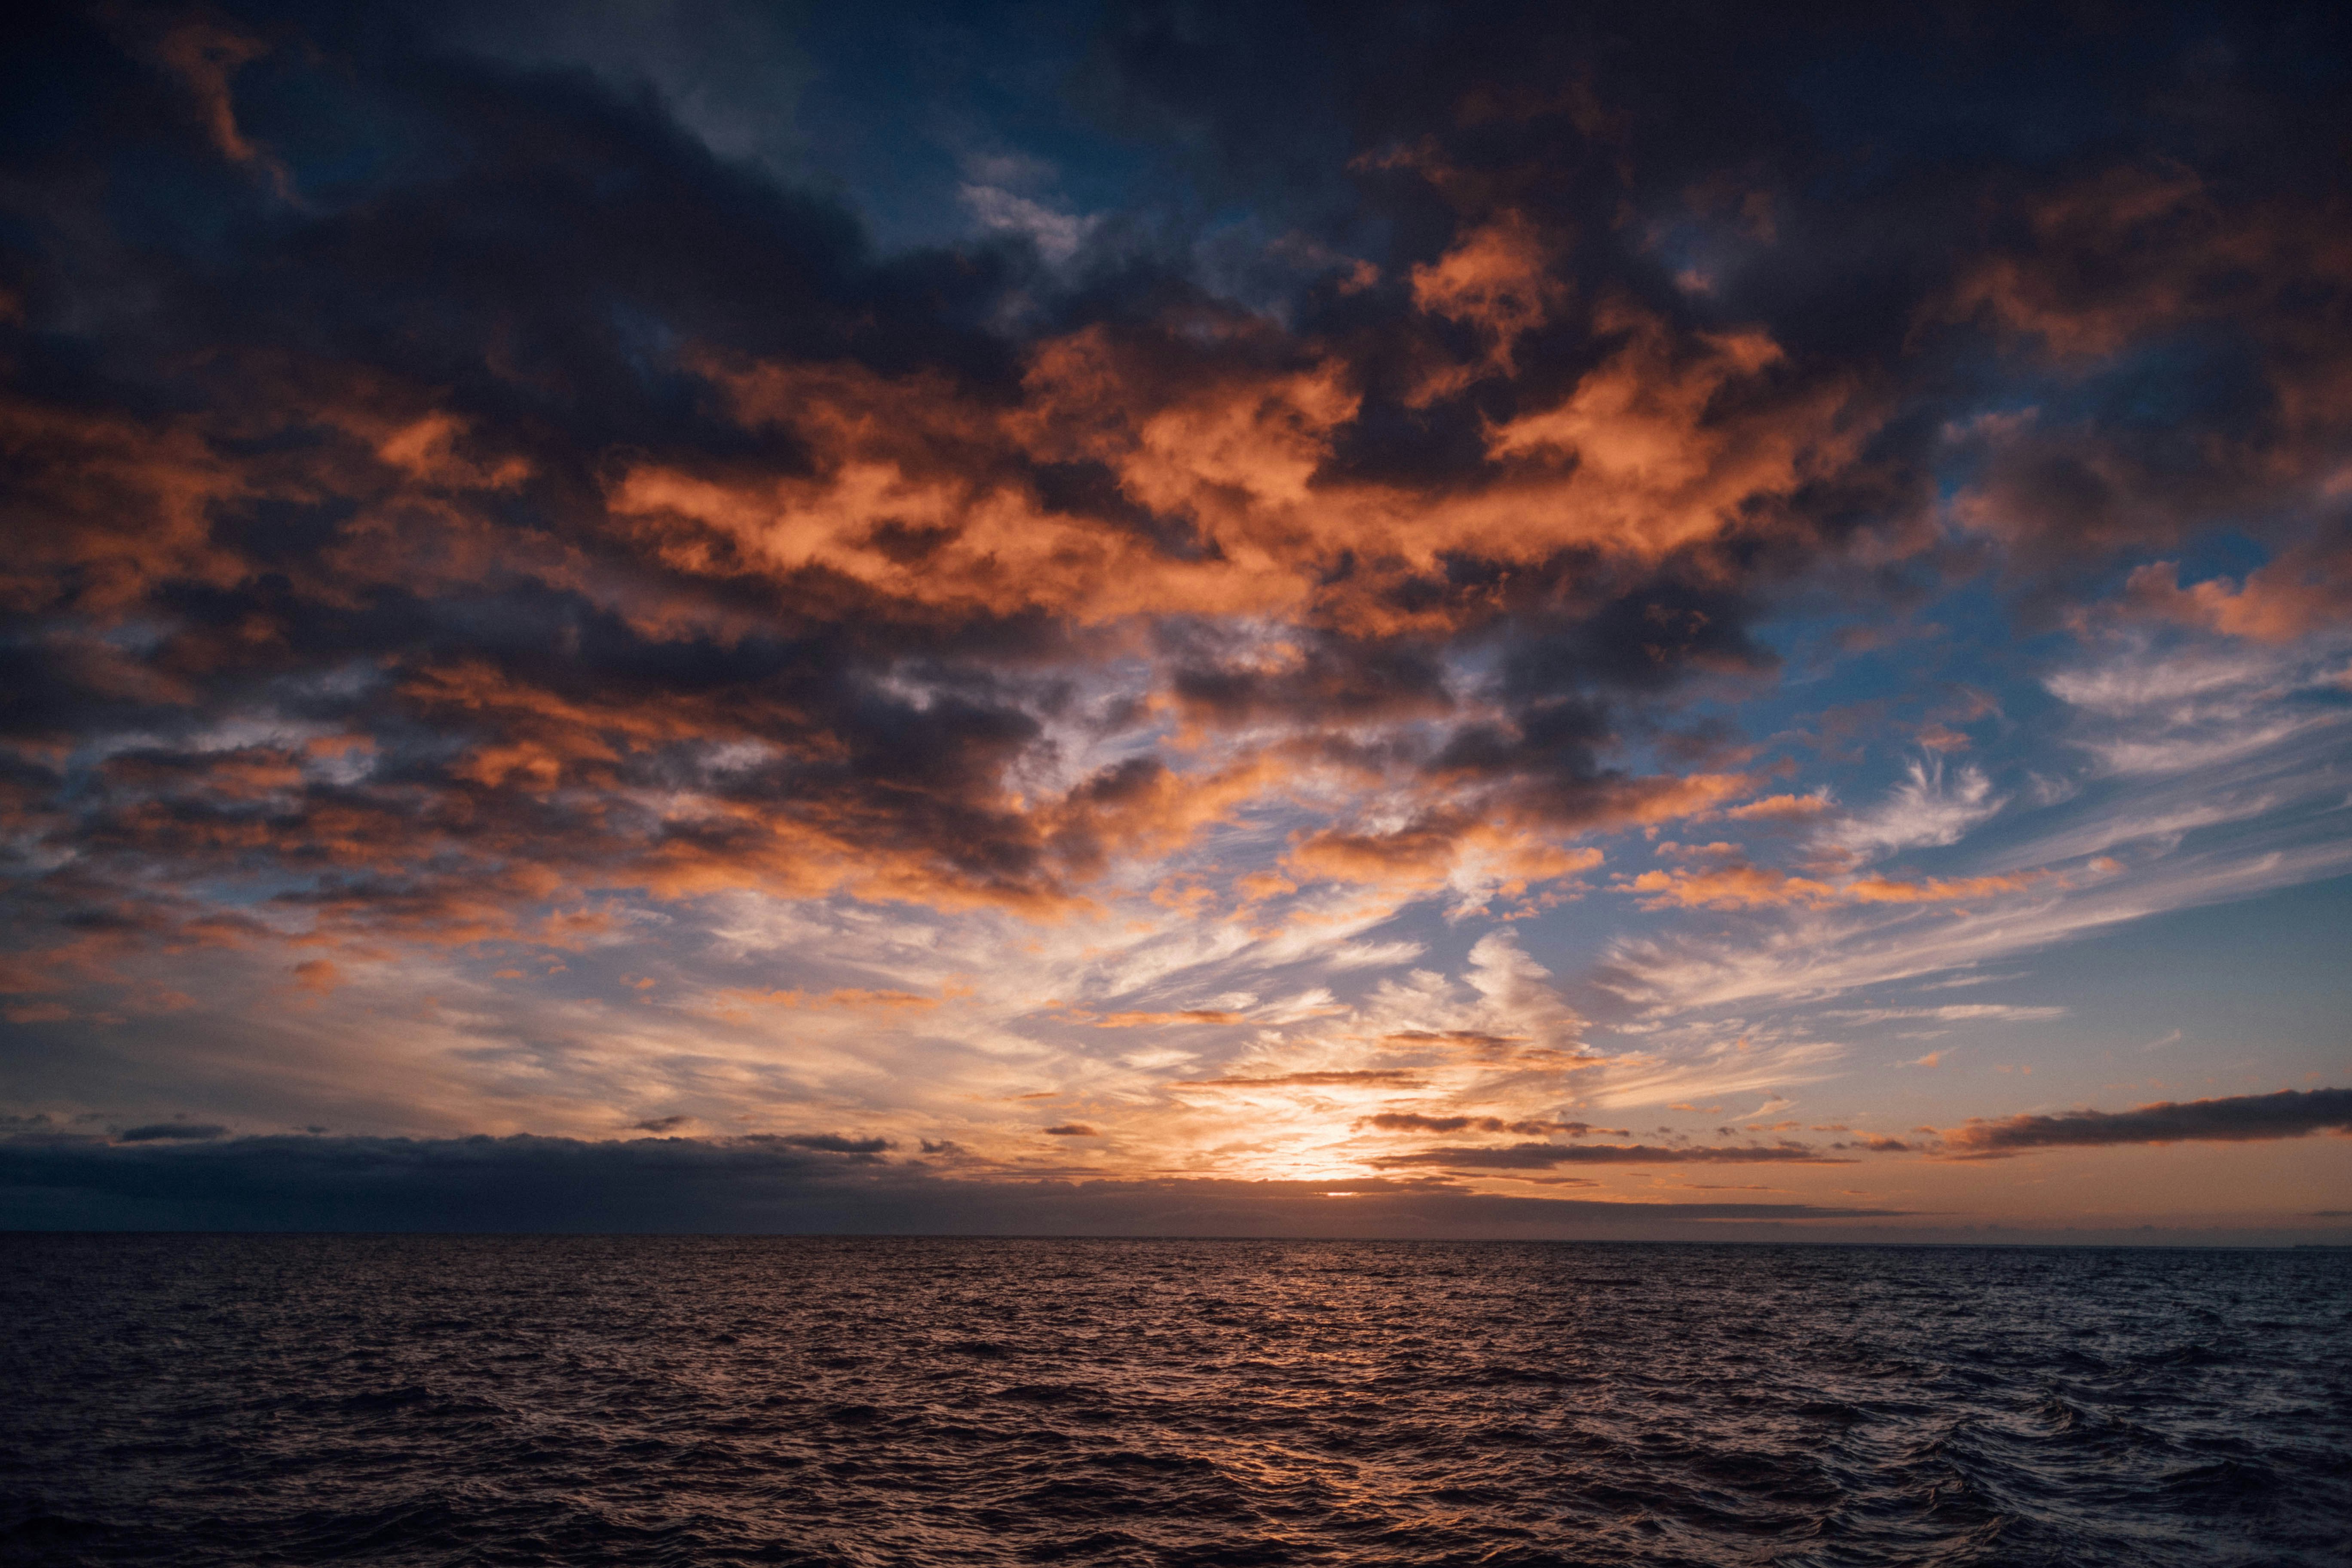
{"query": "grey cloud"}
(748, 1184)
(834, 1144)
(2289, 1113)
(166, 1132)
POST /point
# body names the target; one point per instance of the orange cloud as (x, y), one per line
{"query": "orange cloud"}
(1480, 859)
(1509, 851)
(1411, 1122)
(205, 57)
(850, 997)
(1149, 1020)
(1496, 277)
(1781, 807)
(920, 495)
(123, 505)
(1736, 884)
(1641, 454)
(1368, 1078)
(2304, 591)
(884, 1000)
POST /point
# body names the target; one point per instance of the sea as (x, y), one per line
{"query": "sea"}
(718, 1400)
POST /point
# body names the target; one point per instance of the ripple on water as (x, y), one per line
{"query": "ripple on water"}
(714, 1401)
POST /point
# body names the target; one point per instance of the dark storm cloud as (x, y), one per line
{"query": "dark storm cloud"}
(168, 1132)
(679, 1185)
(2289, 1113)
(1542, 1156)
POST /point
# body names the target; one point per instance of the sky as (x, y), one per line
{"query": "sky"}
(1641, 621)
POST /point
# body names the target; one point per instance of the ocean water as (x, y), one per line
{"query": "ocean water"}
(258, 1400)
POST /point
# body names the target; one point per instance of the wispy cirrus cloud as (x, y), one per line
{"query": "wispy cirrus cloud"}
(1931, 807)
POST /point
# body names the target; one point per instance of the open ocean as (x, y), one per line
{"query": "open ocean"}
(176, 1399)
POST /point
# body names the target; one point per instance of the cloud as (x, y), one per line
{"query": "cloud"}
(1956, 1012)
(1734, 884)
(1380, 1077)
(1542, 1156)
(834, 1143)
(2251, 816)
(667, 1184)
(206, 58)
(2305, 589)
(1497, 277)
(814, 563)
(1409, 1121)
(2147, 713)
(1782, 807)
(1928, 809)
(1056, 235)
(850, 997)
(172, 1131)
(2289, 1113)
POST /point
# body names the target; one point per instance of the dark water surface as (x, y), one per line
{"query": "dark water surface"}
(641, 1400)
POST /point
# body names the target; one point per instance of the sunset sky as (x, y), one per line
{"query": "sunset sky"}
(1420, 620)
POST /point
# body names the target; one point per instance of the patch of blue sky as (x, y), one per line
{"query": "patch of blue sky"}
(910, 108)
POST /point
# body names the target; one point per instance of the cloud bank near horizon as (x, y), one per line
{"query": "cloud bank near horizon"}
(195, 1176)
(754, 1184)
